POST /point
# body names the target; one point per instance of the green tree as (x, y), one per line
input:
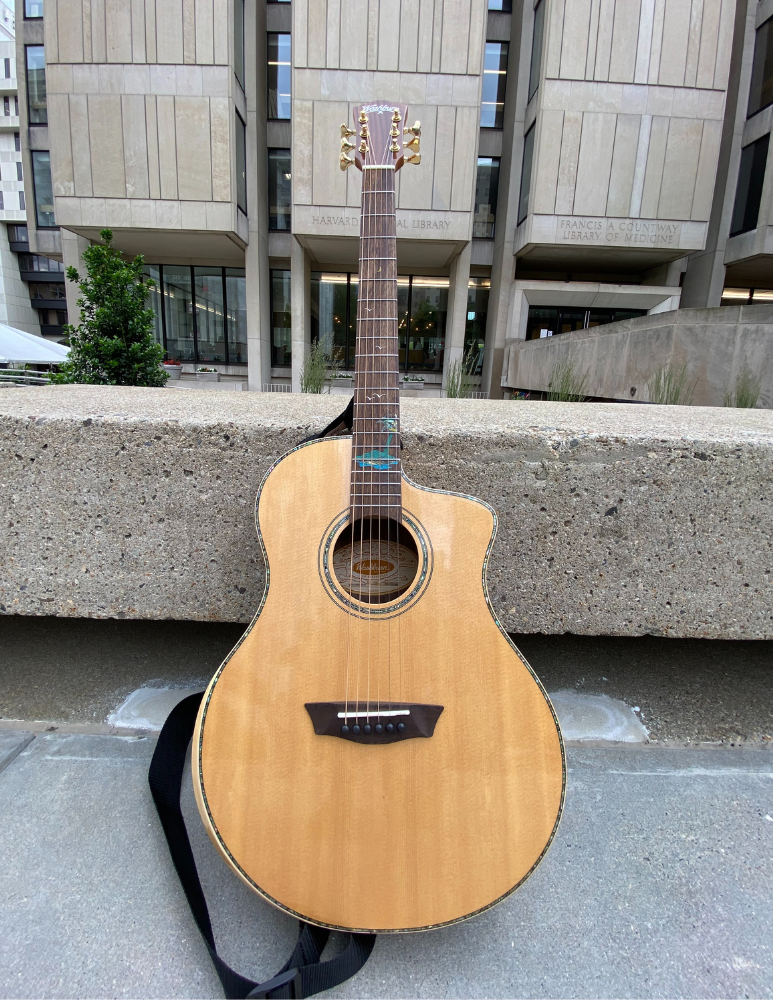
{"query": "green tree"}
(114, 343)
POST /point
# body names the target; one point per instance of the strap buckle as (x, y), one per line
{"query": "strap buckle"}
(292, 976)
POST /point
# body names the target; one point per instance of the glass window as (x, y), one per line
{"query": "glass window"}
(236, 298)
(20, 234)
(210, 314)
(427, 323)
(761, 89)
(492, 101)
(748, 194)
(548, 321)
(2, 200)
(153, 302)
(528, 156)
(22, 202)
(486, 186)
(536, 48)
(17, 141)
(279, 189)
(281, 317)
(239, 41)
(36, 84)
(19, 171)
(47, 290)
(44, 196)
(279, 73)
(332, 316)
(33, 9)
(179, 312)
(241, 164)
(475, 326)
(7, 68)
(505, 5)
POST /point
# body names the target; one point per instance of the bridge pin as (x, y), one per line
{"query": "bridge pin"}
(401, 727)
(390, 727)
(379, 728)
(356, 730)
(366, 729)
(344, 730)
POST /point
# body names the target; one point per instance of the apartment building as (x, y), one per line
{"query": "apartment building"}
(583, 161)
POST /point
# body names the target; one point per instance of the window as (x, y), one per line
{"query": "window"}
(536, 49)
(492, 102)
(209, 296)
(241, 164)
(2, 204)
(281, 321)
(279, 73)
(44, 195)
(239, 41)
(505, 5)
(34, 262)
(550, 321)
(33, 9)
(17, 141)
(486, 186)
(22, 203)
(36, 84)
(6, 105)
(475, 326)
(528, 156)
(16, 106)
(19, 171)
(7, 64)
(748, 194)
(761, 89)
(47, 290)
(236, 313)
(279, 188)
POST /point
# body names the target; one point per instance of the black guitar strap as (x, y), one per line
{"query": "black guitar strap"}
(303, 974)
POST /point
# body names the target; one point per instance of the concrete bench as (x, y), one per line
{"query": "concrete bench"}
(613, 519)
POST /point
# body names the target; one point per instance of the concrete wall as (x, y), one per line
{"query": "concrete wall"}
(716, 345)
(614, 519)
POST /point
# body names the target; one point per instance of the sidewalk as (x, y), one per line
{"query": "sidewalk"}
(659, 883)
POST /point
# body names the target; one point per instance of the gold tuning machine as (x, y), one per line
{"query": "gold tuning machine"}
(347, 144)
(395, 147)
(413, 144)
(415, 159)
(346, 131)
(414, 130)
(345, 161)
(396, 117)
(363, 118)
(363, 147)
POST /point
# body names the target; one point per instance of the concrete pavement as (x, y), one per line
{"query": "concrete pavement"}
(659, 883)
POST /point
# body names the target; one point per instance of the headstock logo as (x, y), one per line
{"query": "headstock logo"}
(378, 109)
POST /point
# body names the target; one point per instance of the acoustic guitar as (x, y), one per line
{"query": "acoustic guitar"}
(375, 754)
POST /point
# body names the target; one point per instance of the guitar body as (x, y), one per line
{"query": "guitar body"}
(368, 836)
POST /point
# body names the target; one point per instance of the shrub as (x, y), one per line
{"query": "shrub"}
(747, 389)
(668, 385)
(566, 384)
(315, 368)
(459, 378)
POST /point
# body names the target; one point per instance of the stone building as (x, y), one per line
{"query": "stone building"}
(583, 162)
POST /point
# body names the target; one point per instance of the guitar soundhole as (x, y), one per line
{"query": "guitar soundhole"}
(375, 560)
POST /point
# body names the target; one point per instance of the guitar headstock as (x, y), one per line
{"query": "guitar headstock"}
(381, 137)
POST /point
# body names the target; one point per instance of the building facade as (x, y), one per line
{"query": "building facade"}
(583, 161)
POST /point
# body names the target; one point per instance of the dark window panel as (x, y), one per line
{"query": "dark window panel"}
(526, 165)
(7, 106)
(153, 301)
(241, 164)
(19, 234)
(536, 48)
(504, 5)
(761, 88)
(22, 202)
(492, 101)
(475, 325)
(239, 41)
(2, 202)
(550, 321)
(17, 141)
(236, 298)
(486, 186)
(47, 290)
(279, 189)
(748, 193)
(178, 302)
(19, 171)
(7, 68)
(210, 314)
(34, 262)
(37, 110)
(44, 195)
(427, 323)
(279, 74)
(281, 318)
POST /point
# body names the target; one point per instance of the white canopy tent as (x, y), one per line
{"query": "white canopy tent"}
(16, 345)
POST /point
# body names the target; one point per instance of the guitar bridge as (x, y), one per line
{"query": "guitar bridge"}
(381, 722)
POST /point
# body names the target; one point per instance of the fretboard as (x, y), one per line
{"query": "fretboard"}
(376, 467)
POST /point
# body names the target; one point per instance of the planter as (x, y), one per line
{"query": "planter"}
(343, 383)
(411, 385)
(208, 376)
(173, 371)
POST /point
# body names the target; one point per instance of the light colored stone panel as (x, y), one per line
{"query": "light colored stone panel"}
(143, 215)
(333, 34)
(205, 27)
(708, 43)
(439, 89)
(657, 40)
(644, 43)
(574, 46)
(456, 35)
(69, 24)
(215, 80)
(413, 89)
(111, 78)
(328, 182)
(554, 38)
(138, 31)
(189, 81)
(640, 169)
(220, 122)
(136, 79)
(623, 165)
(135, 146)
(118, 24)
(154, 180)
(694, 43)
(317, 35)
(680, 168)
(654, 173)
(604, 40)
(676, 34)
(465, 164)
(87, 56)
(303, 138)
(150, 30)
(409, 35)
(724, 44)
(59, 78)
(594, 163)
(61, 148)
(567, 169)
(300, 14)
(192, 131)
(169, 31)
(547, 157)
(189, 31)
(81, 153)
(634, 100)
(221, 32)
(424, 40)
(193, 215)
(107, 156)
(389, 35)
(163, 79)
(373, 9)
(444, 158)
(416, 182)
(354, 34)
(51, 33)
(593, 38)
(625, 35)
(477, 29)
(218, 216)
(167, 147)
(707, 171)
(168, 215)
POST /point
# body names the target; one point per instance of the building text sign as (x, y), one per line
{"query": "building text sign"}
(617, 232)
(411, 224)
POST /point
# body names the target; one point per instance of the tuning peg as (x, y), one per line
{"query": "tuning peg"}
(395, 147)
(363, 118)
(396, 117)
(345, 161)
(363, 147)
(346, 131)
(415, 159)
(394, 132)
(347, 144)
(415, 129)
(413, 144)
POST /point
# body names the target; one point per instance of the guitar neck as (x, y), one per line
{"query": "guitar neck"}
(376, 465)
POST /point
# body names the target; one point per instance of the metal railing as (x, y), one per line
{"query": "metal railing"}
(10, 377)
